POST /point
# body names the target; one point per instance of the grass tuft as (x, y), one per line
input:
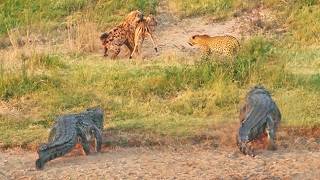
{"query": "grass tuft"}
(163, 97)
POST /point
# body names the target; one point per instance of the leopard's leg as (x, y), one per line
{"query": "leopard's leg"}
(206, 51)
(234, 51)
(271, 133)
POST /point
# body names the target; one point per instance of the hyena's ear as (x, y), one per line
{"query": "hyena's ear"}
(104, 36)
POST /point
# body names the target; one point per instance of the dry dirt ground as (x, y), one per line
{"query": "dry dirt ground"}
(188, 162)
(208, 156)
(297, 157)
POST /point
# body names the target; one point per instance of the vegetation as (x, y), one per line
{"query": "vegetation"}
(47, 15)
(158, 97)
(201, 7)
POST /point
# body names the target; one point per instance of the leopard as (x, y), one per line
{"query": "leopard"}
(225, 45)
(123, 34)
(145, 28)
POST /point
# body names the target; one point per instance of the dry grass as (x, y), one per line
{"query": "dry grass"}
(169, 97)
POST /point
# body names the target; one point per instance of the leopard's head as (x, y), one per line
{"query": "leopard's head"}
(198, 39)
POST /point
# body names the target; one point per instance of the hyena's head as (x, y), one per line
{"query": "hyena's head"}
(103, 37)
(134, 17)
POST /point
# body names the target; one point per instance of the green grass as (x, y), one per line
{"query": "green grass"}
(159, 97)
(47, 15)
(175, 100)
(299, 32)
(187, 8)
(292, 14)
(27, 78)
(19, 13)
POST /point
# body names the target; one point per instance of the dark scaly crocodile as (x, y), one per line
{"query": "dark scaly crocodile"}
(68, 131)
(259, 115)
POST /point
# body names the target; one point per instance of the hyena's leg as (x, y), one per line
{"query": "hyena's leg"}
(153, 41)
(114, 51)
(271, 133)
(129, 46)
(105, 51)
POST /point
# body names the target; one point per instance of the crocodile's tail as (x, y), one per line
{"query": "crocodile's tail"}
(65, 139)
(52, 153)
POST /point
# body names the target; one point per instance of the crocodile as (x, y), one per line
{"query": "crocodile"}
(69, 130)
(259, 115)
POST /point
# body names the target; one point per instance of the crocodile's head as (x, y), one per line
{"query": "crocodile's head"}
(96, 114)
(258, 89)
(42, 147)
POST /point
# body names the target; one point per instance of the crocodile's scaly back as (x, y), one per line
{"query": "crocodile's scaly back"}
(66, 132)
(259, 114)
(259, 105)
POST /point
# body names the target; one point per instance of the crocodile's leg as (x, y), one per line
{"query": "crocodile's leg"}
(271, 133)
(245, 148)
(52, 134)
(243, 111)
(98, 138)
(84, 142)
